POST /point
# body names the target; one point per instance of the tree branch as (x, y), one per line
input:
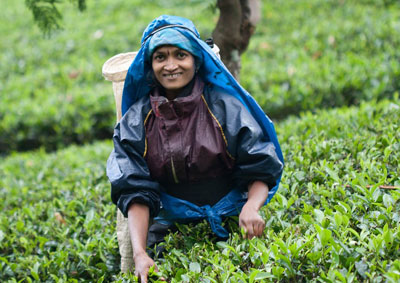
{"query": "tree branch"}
(236, 25)
(46, 14)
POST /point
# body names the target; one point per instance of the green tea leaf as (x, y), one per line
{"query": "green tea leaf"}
(195, 267)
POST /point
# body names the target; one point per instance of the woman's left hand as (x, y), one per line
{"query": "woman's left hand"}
(251, 221)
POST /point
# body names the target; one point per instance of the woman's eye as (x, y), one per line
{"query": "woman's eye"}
(181, 55)
(159, 57)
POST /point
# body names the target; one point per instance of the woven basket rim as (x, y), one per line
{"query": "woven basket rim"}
(115, 68)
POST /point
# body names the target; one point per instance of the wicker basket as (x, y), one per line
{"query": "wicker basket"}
(114, 70)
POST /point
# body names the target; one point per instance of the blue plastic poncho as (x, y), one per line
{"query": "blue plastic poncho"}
(138, 83)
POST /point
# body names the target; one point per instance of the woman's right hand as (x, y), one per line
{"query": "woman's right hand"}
(142, 265)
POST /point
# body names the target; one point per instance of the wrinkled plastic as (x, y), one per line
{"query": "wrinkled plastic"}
(178, 210)
(138, 84)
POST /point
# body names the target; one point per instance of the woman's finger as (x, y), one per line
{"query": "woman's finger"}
(260, 228)
(256, 229)
(143, 277)
(250, 231)
(241, 223)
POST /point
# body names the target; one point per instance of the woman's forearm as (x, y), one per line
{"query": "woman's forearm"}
(138, 222)
(257, 194)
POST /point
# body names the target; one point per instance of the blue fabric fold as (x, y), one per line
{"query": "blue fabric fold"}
(178, 210)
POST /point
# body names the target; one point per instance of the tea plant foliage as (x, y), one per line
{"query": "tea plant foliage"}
(329, 221)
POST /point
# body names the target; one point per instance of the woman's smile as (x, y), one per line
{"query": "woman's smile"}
(173, 68)
(172, 76)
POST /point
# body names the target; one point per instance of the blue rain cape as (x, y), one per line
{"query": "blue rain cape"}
(139, 82)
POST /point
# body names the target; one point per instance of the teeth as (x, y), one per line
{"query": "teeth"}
(172, 76)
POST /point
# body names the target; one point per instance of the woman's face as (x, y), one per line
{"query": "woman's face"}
(174, 68)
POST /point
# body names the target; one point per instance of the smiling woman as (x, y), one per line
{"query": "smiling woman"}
(192, 143)
(173, 68)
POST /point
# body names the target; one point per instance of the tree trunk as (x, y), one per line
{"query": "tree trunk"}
(236, 24)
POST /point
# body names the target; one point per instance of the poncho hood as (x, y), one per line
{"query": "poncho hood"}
(139, 81)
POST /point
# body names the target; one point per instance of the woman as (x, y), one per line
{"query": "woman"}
(191, 140)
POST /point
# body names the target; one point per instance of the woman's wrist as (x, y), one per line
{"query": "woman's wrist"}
(257, 195)
(252, 206)
(138, 254)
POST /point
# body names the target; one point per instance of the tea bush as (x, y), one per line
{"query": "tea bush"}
(324, 224)
(57, 219)
(304, 55)
(318, 54)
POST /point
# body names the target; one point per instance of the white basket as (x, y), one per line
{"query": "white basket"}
(114, 70)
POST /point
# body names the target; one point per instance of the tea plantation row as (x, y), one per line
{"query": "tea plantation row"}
(304, 55)
(325, 223)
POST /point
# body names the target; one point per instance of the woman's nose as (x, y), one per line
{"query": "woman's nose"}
(170, 65)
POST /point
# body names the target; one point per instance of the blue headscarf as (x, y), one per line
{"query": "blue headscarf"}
(174, 37)
(213, 71)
